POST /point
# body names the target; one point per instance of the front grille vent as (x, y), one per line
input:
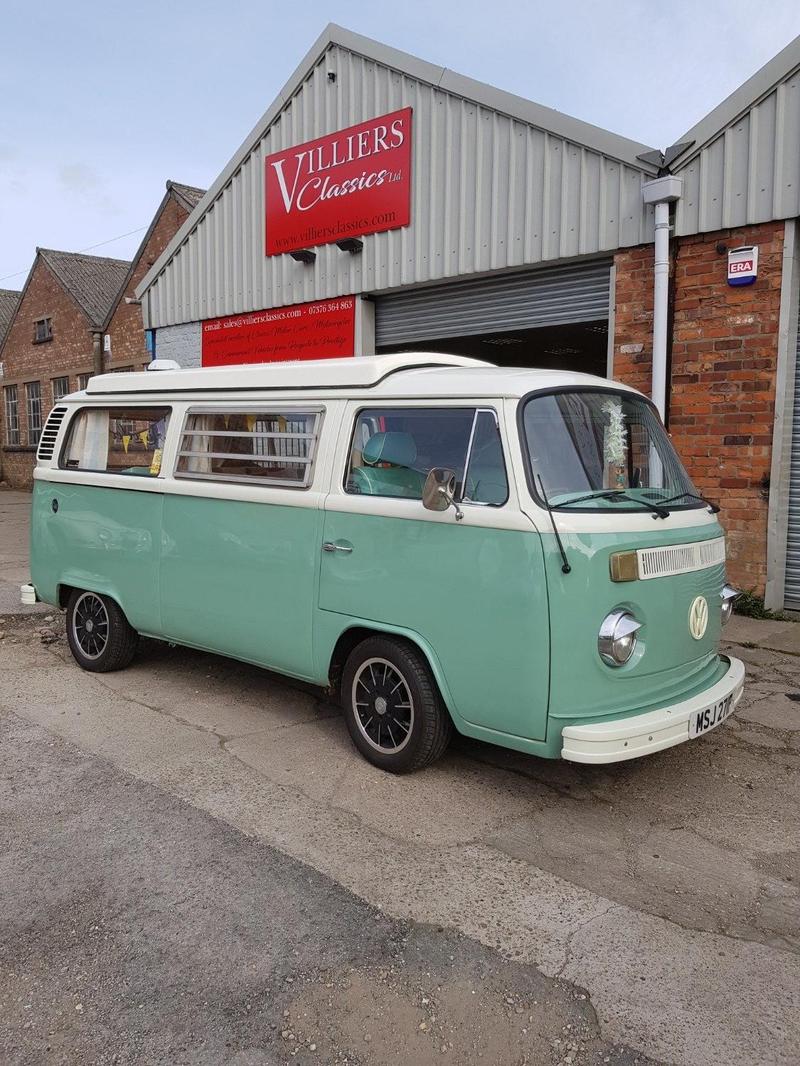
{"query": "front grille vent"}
(47, 441)
(680, 558)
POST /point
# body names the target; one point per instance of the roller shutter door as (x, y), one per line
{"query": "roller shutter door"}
(549, 297)
(792, 586)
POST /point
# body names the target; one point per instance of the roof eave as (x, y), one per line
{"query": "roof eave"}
(739, 102)
(316, 51)
(573, 129)
(134, 262)
(17, 309)
(94, 326)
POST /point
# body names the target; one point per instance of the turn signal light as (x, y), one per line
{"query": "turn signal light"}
(624, 566)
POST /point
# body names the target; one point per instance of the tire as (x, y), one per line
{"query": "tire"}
(99, 635)
(400, 723)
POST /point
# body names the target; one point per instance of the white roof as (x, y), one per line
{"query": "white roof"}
(359, 373)
(408, 374)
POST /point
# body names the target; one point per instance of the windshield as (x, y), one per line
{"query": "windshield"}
(587, 442)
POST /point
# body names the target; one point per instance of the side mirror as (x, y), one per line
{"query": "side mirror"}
(439, 491)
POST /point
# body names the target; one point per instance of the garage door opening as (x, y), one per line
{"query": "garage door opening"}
(554, 318)
(581, 347)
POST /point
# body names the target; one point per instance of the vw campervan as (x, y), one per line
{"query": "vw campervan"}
(516, 554)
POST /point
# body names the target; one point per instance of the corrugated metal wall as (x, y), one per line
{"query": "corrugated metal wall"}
(792, 583)
(489, 192)
(751, 172)
(525, 300)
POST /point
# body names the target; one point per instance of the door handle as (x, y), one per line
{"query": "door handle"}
(329, 546)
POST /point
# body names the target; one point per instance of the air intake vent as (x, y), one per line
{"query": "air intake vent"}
(47, 441)
(680, 558)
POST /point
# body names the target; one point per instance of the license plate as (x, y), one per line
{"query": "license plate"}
(711, 717)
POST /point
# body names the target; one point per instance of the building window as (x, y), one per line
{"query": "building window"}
(60, 388)
(12, 415)
(83, 381)
(42, 330)
(33, 393)
(269, 447)
(117, 440)
(121, 370)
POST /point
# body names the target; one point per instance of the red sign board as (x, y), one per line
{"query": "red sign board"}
(349, 183)
(321, 330)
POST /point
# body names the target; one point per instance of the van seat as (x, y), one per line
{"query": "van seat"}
(397, 479)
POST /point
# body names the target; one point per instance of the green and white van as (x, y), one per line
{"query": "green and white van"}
(518, 555)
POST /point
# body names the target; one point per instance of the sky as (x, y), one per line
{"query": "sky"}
(102, 102)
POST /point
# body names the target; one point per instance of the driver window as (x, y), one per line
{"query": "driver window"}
(394, 449)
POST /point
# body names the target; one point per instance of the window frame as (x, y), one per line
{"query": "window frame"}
(34, 432)
(73, 421)
(434, 405)
(7, 404)
(47, 322)
(59, 398)
(83, 381)
(317, 411)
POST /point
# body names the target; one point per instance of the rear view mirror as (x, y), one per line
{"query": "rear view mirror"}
(439, 491)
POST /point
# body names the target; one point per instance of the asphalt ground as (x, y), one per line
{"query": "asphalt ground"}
(138, 929)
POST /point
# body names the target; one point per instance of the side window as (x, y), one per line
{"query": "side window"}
(33, 395)
(117, 440)
(394, 449)
(270, 447)
(486, 481)
(12, 415)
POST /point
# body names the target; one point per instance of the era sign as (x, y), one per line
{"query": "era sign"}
(321, 330)
(742, 265)
(349, 183)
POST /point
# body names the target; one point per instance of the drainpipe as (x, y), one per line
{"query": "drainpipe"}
(661, 192)
(97, 352)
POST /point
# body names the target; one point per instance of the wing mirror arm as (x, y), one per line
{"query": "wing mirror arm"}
(439, 491)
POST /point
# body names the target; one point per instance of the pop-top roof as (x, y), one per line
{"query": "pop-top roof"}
(408, 374)
(361, 373)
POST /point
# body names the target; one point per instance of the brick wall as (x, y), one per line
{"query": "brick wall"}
(69, 353)
(724, 360)
(125, 328)
(633, 317)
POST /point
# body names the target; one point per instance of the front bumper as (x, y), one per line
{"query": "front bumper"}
(643, 734)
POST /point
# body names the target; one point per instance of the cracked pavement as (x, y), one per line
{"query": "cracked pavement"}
(665, 887)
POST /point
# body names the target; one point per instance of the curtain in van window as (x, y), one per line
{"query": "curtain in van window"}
(88, 445)
(199, 464)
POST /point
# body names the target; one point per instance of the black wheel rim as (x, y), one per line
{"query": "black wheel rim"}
(383, 706)
(90, 625)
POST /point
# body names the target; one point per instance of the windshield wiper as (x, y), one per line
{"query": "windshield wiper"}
(713, 507)
(614, 495)
(565, 567)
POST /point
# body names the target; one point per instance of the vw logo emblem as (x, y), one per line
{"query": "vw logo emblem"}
(698, 617)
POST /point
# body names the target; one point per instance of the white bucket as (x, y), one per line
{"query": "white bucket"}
(27, 595)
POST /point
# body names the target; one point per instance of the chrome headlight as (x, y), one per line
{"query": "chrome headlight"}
(729, 597)
(617, 638)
